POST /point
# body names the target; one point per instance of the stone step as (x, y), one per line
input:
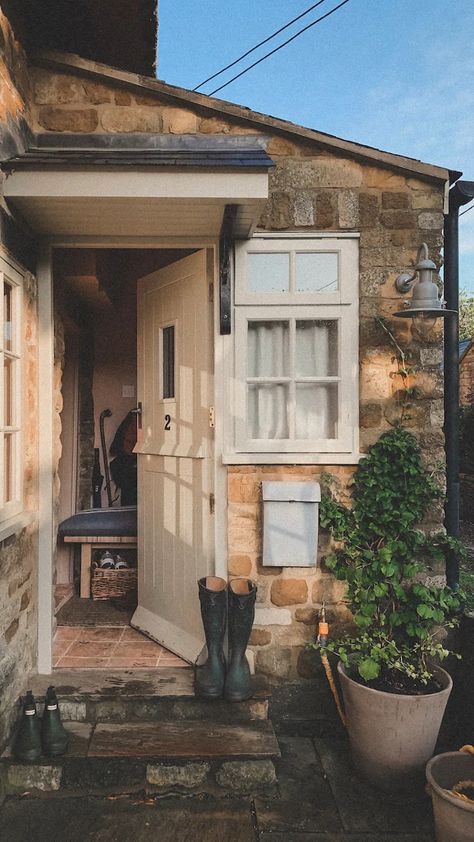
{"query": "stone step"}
(143, 696)
(159, 757)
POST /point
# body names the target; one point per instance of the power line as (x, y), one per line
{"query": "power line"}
(265, 41)
(280, 47)
(467, 210)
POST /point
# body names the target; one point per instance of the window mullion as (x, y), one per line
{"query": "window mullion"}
(292, 395)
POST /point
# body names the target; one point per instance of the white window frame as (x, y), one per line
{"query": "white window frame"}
(10, 510)
(341, 306)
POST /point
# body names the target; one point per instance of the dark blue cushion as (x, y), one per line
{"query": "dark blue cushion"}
(114, 522)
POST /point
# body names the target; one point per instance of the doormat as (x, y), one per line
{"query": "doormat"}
(88, 612)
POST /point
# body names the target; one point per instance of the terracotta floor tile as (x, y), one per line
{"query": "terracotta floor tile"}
(67, 632)
(87, 649)
(132, 662)
(101, 633)
(130, 635)
(60, 647)
(82, 663)
(147, 649)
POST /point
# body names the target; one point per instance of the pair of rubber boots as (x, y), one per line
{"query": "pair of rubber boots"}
(36, 737)
(231, 605)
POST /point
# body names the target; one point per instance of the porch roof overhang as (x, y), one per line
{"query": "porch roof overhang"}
(170, 187)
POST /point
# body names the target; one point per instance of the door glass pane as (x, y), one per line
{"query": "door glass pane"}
(316, 410)
(268, 272)
(316, 272)
(8, 392)
(7, 317)
(316, 348)
(268, 349)
(267, 411)
(8, 467)
(168, 362)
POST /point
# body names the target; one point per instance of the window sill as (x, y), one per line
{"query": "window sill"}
(15, 524)
(230, 458)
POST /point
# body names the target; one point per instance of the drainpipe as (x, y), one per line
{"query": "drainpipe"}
(460, 194)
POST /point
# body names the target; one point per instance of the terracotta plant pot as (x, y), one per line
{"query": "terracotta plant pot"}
(454, 818)
(393, 736)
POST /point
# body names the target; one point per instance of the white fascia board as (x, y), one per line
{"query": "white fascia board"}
(221, 186)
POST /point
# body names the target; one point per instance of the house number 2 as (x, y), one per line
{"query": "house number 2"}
(167, 422)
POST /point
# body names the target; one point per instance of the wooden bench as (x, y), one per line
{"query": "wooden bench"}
(97, 542)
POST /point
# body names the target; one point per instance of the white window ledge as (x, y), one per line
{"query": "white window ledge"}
(16, 524)
(291, 458)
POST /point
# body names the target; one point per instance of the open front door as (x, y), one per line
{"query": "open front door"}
(175, 453)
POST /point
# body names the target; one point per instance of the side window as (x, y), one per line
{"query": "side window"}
(10, 391)
(296, 346)
(168, 390)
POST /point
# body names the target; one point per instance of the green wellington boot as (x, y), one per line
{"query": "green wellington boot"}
(27, 745)
(209, 679)
(54, 737)
(242, 596)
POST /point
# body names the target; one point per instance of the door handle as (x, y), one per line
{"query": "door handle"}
(138, 411)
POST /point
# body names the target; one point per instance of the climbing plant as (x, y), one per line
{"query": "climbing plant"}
(380, 553)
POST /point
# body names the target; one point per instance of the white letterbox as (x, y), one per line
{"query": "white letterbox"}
(290, 523)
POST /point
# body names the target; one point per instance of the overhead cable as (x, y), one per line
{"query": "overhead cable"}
(265, 41)
(280, 47)
(467, 210)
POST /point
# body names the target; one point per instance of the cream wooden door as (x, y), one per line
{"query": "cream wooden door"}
(175, 453)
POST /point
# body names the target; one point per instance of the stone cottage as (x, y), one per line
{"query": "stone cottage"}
(247, 265)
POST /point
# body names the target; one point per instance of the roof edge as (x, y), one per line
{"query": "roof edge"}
(68, 62)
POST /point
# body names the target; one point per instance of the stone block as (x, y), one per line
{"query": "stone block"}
(383, 179)
(260, 637)
(279, 211)
(244, 777)
(134, 119)
(368, 210)
(274, 661)
(428, 200)
(371, 280)
(303, 213)
(272, 616)
(188, 776)
(179, 121)
(395, 201)
(289, 591)
(398, 218)
(325, 210)
(73, 711)
(308, 615)
(348, 208)
(56, 89)
(124, 98)
(370, 415)
(98, 94)
(240, 565)
(21, 778)
(281, 147)
(214, 125)
(12, 629)
(328, 589)
(317, 172)
(68, 119)
(430, 220)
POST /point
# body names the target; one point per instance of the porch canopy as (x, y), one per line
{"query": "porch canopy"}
(138, 185)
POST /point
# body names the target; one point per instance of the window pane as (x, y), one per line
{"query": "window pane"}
(8, 467)
(316, 272)
(7, 316)
(268, 272)
(268, 349)
(316, 348)
(168, 362)
(267, 411)
(316, 411)
(8, 416)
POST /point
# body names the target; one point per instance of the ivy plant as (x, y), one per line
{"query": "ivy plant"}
(381, 553)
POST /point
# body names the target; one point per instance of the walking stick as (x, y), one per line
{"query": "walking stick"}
(106, 413)
(323, 634)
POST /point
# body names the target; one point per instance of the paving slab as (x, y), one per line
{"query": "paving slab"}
(126, 820)
(344, 837)
(306, 802)
(363, 808)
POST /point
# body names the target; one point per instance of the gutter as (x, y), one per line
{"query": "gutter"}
(460, 194)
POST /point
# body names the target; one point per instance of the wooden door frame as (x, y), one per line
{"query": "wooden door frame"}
(46, 537)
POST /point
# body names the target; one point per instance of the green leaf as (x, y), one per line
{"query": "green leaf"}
(369, 669)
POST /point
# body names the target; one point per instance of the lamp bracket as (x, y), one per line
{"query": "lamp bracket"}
(404, 282)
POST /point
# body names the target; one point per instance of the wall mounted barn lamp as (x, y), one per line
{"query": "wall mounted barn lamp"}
(424, 302)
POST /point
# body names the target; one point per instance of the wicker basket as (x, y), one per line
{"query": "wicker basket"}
(113, 584)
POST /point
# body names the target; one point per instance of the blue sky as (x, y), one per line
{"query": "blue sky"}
(395, 74)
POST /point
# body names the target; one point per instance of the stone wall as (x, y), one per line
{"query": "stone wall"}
(19, 553)
(466, 377)
(14, 91)
(312, 189)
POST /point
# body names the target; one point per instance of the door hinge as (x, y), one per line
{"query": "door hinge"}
(211, 293)
(212, 417)
(212, 503)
